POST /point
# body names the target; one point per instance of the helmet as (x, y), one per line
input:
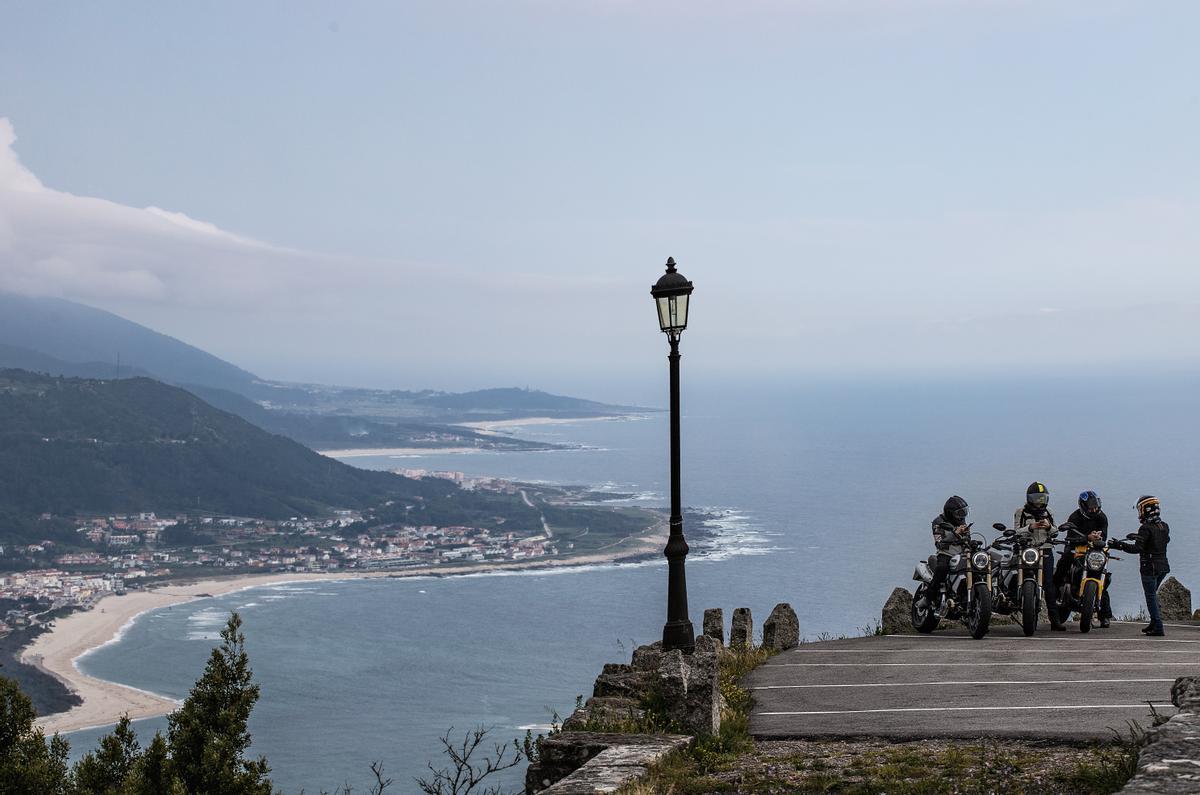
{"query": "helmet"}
(1037, 495)
(1089, 503)
(955, 509)
(1147, 508)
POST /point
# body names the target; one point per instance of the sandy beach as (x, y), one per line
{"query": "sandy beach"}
(57, 651)
(494, 426)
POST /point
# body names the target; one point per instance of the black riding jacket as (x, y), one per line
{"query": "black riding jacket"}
(1084, 525)
(944, 536)
(1151, 544)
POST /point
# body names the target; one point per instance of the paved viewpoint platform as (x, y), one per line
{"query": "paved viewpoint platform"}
(1062, 686)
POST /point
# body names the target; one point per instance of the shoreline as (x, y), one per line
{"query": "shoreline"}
(489, 427)
(58, 651)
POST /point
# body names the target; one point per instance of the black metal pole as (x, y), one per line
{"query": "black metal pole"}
(678, 632)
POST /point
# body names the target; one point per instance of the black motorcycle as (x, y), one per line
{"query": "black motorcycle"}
(966, 595)
(1083, 591)
(1017, 581)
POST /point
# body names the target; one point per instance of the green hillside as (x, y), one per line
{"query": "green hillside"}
(70, 444)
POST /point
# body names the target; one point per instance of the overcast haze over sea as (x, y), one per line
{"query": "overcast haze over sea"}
(825, 494)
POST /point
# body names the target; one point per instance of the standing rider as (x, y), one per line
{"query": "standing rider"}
(1034, 518)
(949, 536)
(1089, 525)
(1151, 544)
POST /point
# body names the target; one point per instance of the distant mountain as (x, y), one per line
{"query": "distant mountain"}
(64, 338)
(514, 399)
(24, 359)
(69, 444)
(74, 333)
(341, 431)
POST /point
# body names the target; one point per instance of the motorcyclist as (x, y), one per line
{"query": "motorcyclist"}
(1151, 544)
(1035, 519)
(1087, 525)
(950, 533)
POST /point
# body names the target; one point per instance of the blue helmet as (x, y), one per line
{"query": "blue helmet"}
(1089, 503)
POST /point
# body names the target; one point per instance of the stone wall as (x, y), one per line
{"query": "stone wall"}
(1170, 760)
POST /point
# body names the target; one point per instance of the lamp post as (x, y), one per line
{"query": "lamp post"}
(671, 294)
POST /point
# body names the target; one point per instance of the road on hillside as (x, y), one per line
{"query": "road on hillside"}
(1065, 686)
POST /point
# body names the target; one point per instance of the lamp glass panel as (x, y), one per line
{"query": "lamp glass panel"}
(681, 311)
(664, 313)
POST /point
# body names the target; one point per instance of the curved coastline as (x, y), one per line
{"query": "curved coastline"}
(103, 702)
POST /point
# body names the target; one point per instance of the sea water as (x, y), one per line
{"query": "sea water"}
(822, 494)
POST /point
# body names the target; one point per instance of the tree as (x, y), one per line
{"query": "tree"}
(28, 763)
(105, 770)
(152, 774)
(463, 775)
(207, 737)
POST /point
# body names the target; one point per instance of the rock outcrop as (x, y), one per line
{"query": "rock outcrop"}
(714, 624)
(741, 632)
(1174, 600)
(781, 630)
(897, 613)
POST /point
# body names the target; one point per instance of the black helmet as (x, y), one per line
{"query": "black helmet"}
(1089, 502)
(1037, 495)
(955, 509)
(1147, 508)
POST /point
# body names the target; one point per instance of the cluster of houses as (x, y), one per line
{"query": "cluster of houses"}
(43, 590)
(128, 551)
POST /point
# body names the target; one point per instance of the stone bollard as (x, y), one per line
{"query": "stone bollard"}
(714, 624)
(897, 613)
(1174, 601)
(781, 630)
(741, 632)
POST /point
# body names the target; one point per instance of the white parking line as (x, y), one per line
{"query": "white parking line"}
(1069, 639)
(1143, 705)
(943, 684)
(970, 664)
(991, 649)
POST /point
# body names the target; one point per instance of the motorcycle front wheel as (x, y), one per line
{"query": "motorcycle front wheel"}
(1029, 607)
(1088, 607)
(979, 612)
(924, 619)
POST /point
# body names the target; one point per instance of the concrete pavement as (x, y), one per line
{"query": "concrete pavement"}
(1062, 686)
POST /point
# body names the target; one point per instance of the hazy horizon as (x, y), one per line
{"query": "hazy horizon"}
(458, 197)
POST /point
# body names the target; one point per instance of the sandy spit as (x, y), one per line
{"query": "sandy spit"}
(58, 650)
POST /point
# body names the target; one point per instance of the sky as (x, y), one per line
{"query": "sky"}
(469, 194)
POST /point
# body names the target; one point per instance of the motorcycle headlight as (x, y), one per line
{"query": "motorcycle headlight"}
(1029, 556)
(980, 560)
(1095, 560)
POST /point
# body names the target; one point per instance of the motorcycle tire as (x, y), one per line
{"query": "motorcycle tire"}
(1064, 603)
(927, 621)
(979, 612)
(1088, 607)
(1029, 607)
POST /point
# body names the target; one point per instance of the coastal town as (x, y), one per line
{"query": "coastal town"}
(118, 553)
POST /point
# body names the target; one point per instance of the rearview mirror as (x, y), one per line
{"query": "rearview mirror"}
(998, 526)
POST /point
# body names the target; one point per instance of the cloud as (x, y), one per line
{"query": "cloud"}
(13, 175)
(782, 294)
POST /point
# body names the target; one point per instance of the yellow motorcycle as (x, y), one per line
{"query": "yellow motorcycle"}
(1084, 589)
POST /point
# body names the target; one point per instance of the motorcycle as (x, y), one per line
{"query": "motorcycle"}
(1084, 588)
(1017, 583)
(965, 596)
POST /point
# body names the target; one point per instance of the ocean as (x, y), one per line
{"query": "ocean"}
(821, 495)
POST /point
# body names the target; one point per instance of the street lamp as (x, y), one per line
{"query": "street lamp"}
(671, 294)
